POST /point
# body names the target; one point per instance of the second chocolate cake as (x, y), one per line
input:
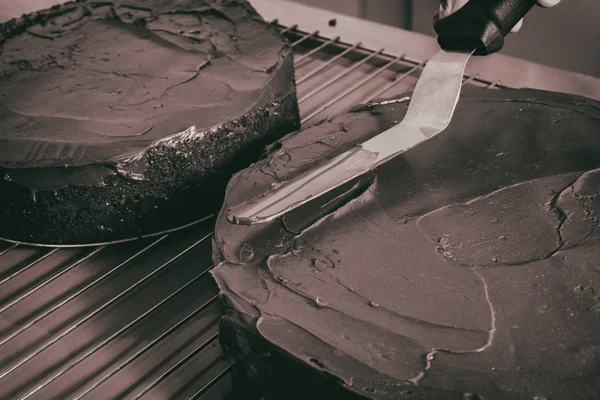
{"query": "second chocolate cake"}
(123, 118)
(464, 268)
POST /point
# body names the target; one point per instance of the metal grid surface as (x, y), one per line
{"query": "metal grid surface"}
(140, 319)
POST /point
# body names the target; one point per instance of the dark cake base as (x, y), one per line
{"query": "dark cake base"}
(264, 371)
(172, 195)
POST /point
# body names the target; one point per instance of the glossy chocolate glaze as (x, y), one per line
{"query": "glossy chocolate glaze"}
(465, 267)
(123, 118)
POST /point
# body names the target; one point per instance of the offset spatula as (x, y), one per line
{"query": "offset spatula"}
(477, 28)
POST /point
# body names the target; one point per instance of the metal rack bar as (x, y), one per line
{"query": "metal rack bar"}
(144, 350)
(28, 266)
(477, 78)
(396, 81)
(408, 60)
(104, 342)
(9, 248)
(43, 315)
(336, 78)
(327, 64)
(89, 316)
(50, 279)
(211, 383)
(306, 37)
(285, 30)
(469, 79)
(315, 50)
(352, 88)
(175, 367)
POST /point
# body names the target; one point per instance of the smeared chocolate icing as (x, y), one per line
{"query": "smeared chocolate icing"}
(126, 118)
(464, 268)
(101, 82)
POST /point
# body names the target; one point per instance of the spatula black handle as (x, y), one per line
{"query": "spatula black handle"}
(481, 24)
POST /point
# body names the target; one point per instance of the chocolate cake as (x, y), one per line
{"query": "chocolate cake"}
(465, 268)
(123, 118)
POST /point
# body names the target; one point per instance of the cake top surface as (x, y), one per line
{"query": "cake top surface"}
(466, 265)
(98, 81)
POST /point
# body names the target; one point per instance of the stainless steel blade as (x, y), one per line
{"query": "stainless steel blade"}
(429, 112)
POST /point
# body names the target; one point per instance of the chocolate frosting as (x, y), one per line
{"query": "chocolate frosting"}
(101, 82)
(466, 266)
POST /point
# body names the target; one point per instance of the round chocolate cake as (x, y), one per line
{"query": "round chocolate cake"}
(465, 268)
(123, 118)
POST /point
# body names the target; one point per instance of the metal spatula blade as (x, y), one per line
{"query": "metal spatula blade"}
(429, 113)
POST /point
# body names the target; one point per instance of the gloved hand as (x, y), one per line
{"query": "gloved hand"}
(448, 7)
